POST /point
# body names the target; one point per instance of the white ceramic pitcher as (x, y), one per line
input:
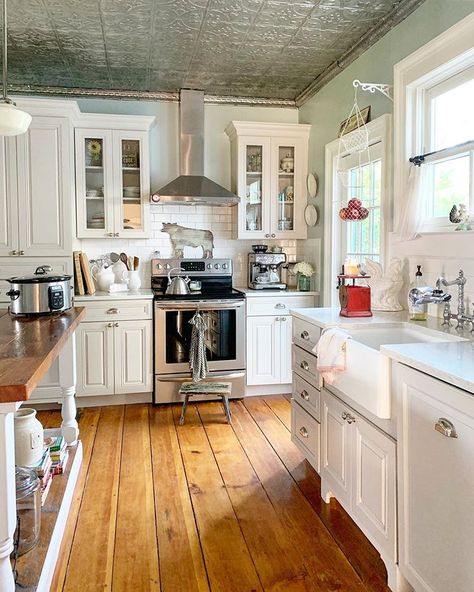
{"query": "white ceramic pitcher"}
(104, 277)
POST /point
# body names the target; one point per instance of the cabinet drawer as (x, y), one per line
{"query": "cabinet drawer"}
(305, 334)
(276, 305)
(306, 395)
(305, 433)
(305, 364)
(117, 310)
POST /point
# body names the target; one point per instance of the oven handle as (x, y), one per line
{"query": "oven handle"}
(220, 377)
(202, 305)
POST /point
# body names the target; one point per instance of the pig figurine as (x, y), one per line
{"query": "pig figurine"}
(181, 237)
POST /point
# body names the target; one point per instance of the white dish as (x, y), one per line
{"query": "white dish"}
(312, 185)
(311, 215)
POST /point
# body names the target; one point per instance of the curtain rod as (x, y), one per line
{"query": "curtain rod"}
(420, 159)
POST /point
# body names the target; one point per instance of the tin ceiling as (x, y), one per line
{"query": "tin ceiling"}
(278, 49)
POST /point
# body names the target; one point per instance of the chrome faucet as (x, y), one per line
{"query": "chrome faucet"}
(460, 316)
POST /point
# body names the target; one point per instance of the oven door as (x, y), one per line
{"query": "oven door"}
(225, 334)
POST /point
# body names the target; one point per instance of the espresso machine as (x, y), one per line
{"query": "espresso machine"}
(265, 270)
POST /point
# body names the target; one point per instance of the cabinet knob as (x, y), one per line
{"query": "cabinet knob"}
(446, 428)
(13, 252)
(350, 418)
(116, 324)
(273, 235)
(305, 335)
(304, 364)
(116, 234)
(279, 306)
(344, 415)
(110, 234)
(21, 253)
(267, 236)
(304, 395)
(304, 432)
(113, 311)
(282, 318)
(110, 324)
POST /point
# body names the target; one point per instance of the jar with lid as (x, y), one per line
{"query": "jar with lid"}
(28, 508)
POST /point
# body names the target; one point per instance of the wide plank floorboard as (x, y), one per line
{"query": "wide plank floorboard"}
(205, 507)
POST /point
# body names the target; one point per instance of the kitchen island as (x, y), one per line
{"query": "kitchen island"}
(28, 347)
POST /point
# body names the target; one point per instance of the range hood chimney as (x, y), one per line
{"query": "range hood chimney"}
(192, 187)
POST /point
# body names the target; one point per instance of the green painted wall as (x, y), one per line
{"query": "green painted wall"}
(332, 104)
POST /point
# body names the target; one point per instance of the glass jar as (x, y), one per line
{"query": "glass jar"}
(28, 508)
(304, 282)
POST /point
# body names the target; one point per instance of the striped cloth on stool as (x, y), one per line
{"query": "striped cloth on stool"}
(214, 389)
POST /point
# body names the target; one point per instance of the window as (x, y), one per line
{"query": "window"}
(367, 180)
(449, 123)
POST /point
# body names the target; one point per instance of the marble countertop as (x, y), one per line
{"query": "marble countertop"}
(249, 292)
(140, 295)
(449, 361)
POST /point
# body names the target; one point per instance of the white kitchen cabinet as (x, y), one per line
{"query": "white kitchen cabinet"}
(95, 358)
(112, 182)
(435, 483)
(132, 347)
(358, 468)
(264, 350)
(114, 347)
(269, 169)
(36, 185)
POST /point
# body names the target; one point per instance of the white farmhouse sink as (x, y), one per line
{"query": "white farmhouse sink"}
(367, 378)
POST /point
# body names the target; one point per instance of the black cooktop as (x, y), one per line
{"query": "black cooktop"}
(204, 294)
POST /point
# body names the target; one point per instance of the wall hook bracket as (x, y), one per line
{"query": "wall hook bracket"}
(385, 89)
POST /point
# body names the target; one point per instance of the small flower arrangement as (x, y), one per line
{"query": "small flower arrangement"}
(94, 148)
(304, 272)
(304, 268)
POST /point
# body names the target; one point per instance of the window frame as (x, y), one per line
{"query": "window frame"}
(380, 132)
(438, 64)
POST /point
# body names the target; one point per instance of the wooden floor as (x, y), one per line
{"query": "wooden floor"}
(205, 507)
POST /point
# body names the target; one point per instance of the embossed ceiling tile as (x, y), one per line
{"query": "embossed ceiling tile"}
(284, 14)
(179, 14)
(230, 33)
(85, 58)
(70, 14)
(270, 34)
(71, 40)
(40, 41)
(315, 37)
(125, 44)
(126, 78)
(171, 79)
(91, 77)
(233, 13)
(129, 60)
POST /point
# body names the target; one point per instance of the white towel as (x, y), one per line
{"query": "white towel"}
(331, 352)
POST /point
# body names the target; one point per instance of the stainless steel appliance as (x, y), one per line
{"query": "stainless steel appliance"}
(265, 271)
(224, 310)
(40, 293)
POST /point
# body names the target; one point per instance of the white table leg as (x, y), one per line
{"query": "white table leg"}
(67, 381)
(7, 494)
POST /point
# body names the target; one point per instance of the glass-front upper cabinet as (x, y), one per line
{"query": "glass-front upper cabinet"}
(112, 183)
(269, 169)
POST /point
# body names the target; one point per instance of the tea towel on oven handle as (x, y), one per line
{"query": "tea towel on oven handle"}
(197, 352)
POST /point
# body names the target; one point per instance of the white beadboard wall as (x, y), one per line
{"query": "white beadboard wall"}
(219, 220)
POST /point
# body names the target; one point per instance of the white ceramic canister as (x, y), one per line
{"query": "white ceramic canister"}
(134, 281)
(28, 438)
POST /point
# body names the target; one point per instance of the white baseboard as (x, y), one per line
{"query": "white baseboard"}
(268, 389)
(97, 401)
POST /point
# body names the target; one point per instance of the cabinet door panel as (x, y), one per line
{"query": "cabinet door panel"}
(95, 359)
(263, 352)
(285, 350)
(9, 240)
(133, 357)
(45, 187)
(436, 485)
(373, 482)
(335, 448)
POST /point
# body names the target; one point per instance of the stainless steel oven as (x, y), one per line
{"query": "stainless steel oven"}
(225, 344)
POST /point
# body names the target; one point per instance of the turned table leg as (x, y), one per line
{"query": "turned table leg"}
(67, 381)
(7, 494)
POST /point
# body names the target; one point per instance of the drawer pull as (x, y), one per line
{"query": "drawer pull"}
(304, 364)
(305, 335)
(110, 324)
(304, 432)
(344, 415)
(446, 428)
(116, 324)
(279, 306)
(113, 311)
(304, 395)
(348, 417)
(282, 318)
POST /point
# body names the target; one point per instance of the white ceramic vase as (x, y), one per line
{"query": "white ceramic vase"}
(134, 281)
(28, 438)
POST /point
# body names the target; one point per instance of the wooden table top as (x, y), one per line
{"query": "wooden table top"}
(28, 348)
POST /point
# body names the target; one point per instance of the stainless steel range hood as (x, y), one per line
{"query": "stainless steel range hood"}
(192, 187)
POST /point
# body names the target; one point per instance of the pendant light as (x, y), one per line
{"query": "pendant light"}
(13, 121)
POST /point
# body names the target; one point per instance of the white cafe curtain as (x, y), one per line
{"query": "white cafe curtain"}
(411, 208)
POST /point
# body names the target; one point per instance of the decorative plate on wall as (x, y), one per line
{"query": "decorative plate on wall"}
(312, 185)
(311, 215)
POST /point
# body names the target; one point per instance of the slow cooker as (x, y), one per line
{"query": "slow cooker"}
(40, 293)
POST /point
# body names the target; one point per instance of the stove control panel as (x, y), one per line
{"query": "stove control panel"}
(192, 267)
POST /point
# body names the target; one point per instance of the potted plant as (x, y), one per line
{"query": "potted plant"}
(304, 272)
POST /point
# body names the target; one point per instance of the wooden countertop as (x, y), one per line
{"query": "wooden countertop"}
(28, 347)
